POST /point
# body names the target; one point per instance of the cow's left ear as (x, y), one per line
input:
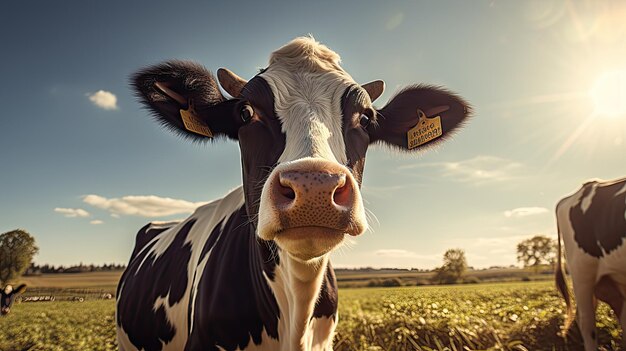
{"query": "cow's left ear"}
(20, 289)
(419, 116)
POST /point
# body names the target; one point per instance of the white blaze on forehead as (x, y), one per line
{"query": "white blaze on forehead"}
(308, 83)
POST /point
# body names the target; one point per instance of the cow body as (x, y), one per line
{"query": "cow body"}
(592, 223)
(251, 271)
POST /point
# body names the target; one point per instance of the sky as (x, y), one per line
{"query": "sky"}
(83, 167)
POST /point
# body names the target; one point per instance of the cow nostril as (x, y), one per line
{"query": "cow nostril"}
(287, 192)
(341, 196)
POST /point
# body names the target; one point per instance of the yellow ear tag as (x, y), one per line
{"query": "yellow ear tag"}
(193, 123)
(427, 129)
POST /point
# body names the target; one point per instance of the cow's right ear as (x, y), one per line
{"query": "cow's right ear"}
(184, 97)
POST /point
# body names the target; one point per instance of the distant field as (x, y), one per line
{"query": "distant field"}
(66, 286)
(503, 316)
(108, 280)
(95, 280)
(361, 278)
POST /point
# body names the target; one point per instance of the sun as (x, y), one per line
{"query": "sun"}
(608, 94)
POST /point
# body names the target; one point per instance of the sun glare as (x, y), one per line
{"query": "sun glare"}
(609, 94)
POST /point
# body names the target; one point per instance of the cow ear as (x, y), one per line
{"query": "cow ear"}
(184, 97)
(419, 116)
(20, 289)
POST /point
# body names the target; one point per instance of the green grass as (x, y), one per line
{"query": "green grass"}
(504, 316)
(56, 326)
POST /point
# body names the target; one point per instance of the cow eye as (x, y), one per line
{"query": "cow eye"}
(246, 113)
(364, 121)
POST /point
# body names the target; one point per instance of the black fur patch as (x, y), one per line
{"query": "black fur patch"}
(355, 136)
(602, 226)
(261, 141)
(234, 304)
(400, 114)
(140, 287)
(327, 302)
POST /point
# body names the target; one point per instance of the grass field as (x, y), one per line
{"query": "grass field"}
(59, 326)
(503, 316)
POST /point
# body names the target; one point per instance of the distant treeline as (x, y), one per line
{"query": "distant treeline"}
(371, 269)
(400, 270)
(35, 269)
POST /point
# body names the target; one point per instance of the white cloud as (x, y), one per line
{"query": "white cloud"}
(104, 99)
(525, 211)
(72, 212)
(143, 206)
(478, 170)
(96, 221)
(115, 215)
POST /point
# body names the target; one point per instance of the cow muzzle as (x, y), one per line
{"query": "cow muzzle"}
(307, 206)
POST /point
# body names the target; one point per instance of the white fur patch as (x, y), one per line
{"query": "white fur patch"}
(296, 286)
(621, 191)
(308, 83)
(321, 328)
(586, 202)
(123, 341)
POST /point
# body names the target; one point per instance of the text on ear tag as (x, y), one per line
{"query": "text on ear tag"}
(193, 123)
(427, 129)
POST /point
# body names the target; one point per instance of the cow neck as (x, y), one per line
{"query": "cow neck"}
(297, 287)
(262, 263)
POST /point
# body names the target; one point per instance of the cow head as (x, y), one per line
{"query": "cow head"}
(303, 127)
(7, 297)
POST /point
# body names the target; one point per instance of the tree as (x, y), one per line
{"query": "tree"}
(454, 265)
(536, 251)
(17, 249)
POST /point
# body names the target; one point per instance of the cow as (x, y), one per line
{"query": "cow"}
(592, 223)
(7, 297)
(251, 270)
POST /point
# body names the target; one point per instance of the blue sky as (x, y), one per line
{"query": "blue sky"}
(83, 167)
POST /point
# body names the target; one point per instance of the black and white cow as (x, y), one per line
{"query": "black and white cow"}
(592, 223)
(7, 297)
(250, 271)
